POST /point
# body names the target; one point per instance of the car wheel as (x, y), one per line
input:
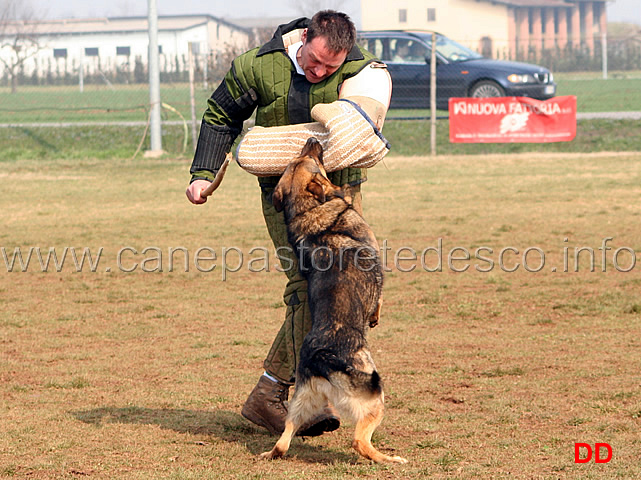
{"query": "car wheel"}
(487, 88)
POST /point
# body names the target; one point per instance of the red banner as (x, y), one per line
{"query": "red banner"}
(512, 119)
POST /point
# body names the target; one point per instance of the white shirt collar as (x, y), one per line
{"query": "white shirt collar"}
(292, 50)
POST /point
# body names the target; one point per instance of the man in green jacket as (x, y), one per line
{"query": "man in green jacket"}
(305, 63)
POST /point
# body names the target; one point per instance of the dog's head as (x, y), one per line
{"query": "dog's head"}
(304, 183)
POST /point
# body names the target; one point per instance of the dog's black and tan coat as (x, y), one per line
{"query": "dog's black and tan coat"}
(339, 256)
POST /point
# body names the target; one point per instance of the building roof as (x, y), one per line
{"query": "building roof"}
(114, 25)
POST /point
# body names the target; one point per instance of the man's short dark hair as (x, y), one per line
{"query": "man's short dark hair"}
(337, 28)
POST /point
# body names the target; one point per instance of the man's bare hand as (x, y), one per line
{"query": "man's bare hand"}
(194, 190)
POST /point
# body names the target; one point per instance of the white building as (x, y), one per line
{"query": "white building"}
(503, 28)
(110, 44)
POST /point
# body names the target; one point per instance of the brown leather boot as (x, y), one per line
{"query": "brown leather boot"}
(266, 406)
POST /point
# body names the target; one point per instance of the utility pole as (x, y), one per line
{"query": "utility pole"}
(154, 83)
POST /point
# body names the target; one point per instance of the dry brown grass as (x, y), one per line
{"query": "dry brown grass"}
(488, 375)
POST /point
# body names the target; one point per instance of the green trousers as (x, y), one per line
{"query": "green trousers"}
(283, 356)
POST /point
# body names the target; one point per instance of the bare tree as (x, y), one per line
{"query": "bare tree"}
(220, 60)
(18, 37)
(310, 7)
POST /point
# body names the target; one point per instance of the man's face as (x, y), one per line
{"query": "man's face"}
(317, 61)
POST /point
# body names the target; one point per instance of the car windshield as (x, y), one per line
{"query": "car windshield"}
(449, 49)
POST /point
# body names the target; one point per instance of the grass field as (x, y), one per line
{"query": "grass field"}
(97, 103)
(138, 370)
(107, 103)
(407, 138)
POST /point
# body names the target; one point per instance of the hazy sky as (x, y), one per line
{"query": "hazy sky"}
(217, 8)
(618, 10)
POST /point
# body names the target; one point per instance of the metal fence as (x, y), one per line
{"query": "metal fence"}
(602, 83)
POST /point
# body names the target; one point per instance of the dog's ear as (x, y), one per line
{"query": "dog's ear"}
(277, 198)
(313, 149)
(319, 153)
(317, 189)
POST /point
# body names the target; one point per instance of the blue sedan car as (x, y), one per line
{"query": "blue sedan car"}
(460, 71)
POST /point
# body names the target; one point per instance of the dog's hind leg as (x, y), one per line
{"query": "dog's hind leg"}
(305, 405)
(363, 435)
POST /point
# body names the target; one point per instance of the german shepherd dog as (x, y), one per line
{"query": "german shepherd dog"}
(339, 256)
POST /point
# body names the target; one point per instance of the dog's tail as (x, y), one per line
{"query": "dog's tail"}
(369, 382)
(329, 364)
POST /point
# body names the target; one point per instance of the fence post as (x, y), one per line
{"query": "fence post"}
(205, 67)
(81, 71)
(433, 96)
(192, 101)
(604, 54)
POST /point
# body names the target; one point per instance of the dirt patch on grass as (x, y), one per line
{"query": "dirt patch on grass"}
(491, 371)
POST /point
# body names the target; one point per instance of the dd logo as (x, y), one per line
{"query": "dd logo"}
(597, 453)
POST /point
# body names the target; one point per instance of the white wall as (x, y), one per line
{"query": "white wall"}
(465, 21)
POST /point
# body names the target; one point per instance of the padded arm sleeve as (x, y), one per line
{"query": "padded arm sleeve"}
(214, 142)
(228, 107)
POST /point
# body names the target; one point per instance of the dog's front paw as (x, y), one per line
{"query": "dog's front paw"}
(348, 196)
